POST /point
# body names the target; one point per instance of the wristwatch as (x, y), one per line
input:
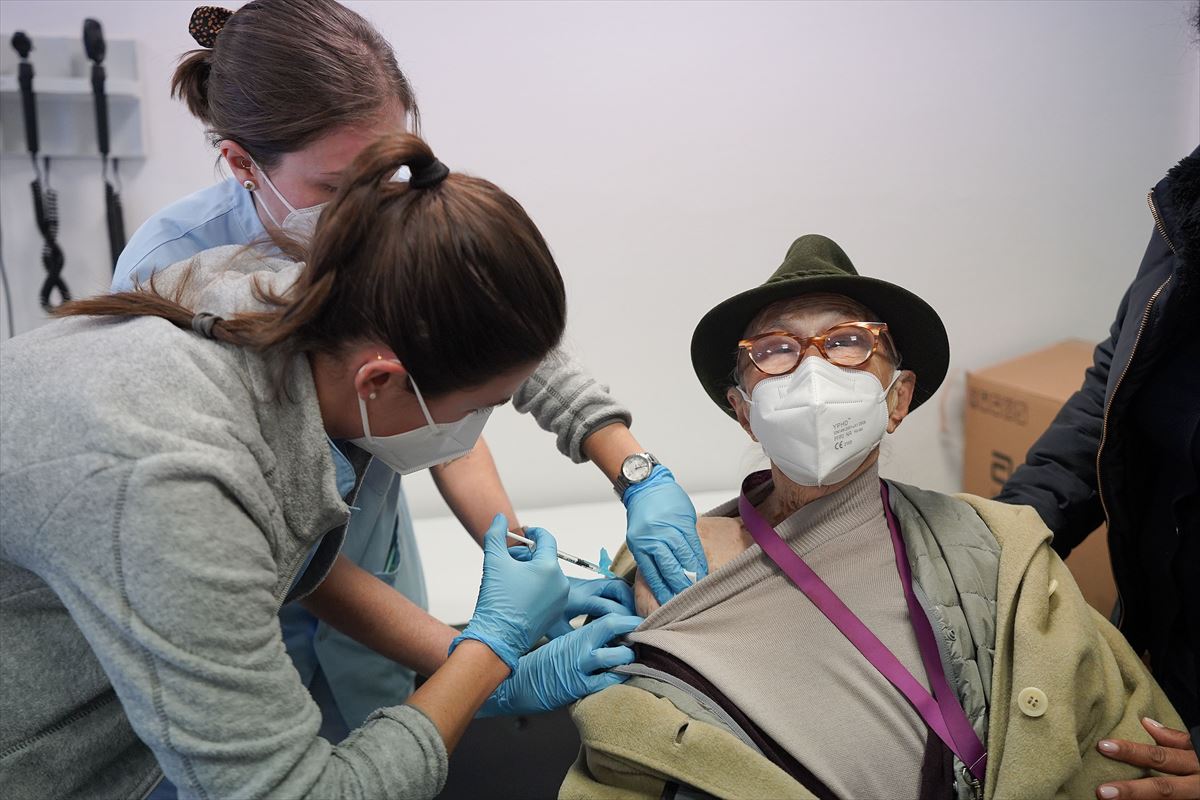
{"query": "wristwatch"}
(634, 469)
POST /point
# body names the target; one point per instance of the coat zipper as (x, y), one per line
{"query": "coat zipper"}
(300, 561)
(1162, 230)
(1158, 223)
(296, 569)
(291, 579)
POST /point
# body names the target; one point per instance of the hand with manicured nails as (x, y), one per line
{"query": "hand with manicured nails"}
(593, 597)
(565, 670)
(518, 600)
(661, 534)
(1172, 754)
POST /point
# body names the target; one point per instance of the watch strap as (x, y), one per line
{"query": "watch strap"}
(621, 484)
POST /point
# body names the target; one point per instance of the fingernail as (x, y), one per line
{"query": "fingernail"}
(1108, 747)
(1154, 722)
(1108, 792)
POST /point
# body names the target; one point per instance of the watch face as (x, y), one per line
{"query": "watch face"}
(636, 468)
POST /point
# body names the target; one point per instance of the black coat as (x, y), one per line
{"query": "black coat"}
(1091, 464)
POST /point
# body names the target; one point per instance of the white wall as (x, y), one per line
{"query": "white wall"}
(992, 157)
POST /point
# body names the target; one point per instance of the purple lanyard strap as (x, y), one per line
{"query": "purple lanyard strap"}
(943, 715)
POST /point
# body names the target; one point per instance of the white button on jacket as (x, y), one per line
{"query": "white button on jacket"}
(1032, 701)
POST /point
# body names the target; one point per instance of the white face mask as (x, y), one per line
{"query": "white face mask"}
(820, 422)
(299, 222)
(432, 444)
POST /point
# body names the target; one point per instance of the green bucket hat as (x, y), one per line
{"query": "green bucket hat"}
(815, 263)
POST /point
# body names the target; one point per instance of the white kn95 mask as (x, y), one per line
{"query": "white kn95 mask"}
(432, 444)
(819, 422)
(299, 222)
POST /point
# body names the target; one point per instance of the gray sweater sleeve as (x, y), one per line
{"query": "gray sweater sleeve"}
(178, 600)
(569, 403)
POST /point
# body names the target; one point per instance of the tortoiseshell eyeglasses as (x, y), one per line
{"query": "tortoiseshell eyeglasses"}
(847, 344)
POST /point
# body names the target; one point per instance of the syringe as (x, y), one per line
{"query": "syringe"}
(570, 559)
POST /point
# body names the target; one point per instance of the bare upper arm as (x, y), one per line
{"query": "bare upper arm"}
(723, 539)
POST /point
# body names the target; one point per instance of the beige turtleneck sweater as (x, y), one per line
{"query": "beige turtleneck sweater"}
(761, 642)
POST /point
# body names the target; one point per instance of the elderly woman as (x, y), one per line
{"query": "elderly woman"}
(857, 637)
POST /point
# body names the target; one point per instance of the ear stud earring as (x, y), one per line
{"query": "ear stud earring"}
(250, 185)
(371, 396)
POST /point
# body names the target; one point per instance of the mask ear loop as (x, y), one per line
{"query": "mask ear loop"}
(362, 411)
(362, 408)
(887, 392)
(424, 408)
(266, 179)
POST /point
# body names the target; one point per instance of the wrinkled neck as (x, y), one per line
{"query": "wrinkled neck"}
(787, 497)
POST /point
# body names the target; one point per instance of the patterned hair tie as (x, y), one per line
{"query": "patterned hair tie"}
(206, 23)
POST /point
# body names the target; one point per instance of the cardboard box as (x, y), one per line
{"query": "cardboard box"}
(1008, 407)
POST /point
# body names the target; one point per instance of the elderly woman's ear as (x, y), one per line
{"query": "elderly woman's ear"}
(899, 399)
(741, 409)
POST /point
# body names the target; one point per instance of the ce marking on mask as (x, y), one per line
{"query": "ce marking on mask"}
(845, 431)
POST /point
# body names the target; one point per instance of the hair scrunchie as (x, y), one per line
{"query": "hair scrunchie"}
(203, 322)
(206, 23)
(427, 175)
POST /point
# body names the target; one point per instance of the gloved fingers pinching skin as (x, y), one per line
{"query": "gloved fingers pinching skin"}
(518, 600)
(609, 627)
(661, 534)
(601, 681)
(599, 606)
(618, 591)
(605, 658)
(663, 569)
(593, 597)
(681, 550)
(565, 670)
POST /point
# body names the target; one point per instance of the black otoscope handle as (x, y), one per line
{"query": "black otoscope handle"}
(28, 106)
(101, 103)
(23, 45)
(95, 48)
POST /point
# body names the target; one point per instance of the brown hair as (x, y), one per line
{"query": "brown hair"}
(282, 73)
(454, 278)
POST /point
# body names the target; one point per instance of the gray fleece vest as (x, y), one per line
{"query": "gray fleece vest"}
(955, 571)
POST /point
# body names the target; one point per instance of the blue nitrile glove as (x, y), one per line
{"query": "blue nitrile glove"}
(518, 600)
(593, 597)
(565, 669)
(589, 597)
(661, 534)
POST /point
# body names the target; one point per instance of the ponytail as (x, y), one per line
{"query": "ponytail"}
(190, 83)
(446, 270)
(278, 74)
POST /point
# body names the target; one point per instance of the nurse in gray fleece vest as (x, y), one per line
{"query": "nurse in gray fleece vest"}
(160, 505)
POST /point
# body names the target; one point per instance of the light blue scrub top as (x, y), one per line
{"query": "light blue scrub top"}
(380, 535)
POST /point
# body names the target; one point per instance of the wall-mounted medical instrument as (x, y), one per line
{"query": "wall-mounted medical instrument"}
(45, 199)
(93, 45)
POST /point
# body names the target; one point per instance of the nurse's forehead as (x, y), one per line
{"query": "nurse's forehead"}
(330, 154)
